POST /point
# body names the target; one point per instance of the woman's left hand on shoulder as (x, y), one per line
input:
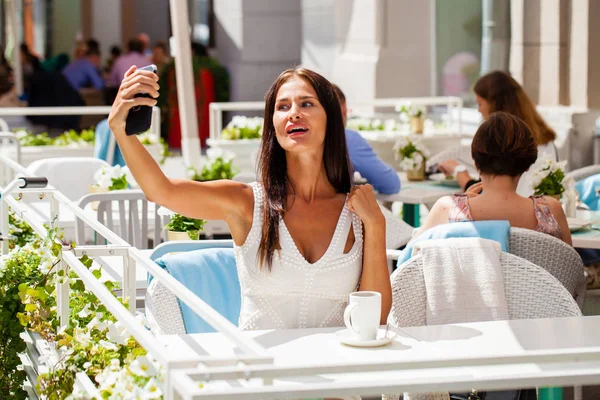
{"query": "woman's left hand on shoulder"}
(362, 202)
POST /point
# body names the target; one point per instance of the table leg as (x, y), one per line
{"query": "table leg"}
(410, 214)
(550, 393)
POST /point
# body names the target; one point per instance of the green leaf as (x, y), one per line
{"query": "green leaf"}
(31, 307)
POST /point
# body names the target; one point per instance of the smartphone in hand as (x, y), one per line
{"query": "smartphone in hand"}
(139, 118)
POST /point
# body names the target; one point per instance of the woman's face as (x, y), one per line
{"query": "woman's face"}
(299, 118)
(483, 107)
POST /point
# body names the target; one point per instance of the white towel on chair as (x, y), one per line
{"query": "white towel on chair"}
(463, 280)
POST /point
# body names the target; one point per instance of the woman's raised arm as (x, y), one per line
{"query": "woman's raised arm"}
(222, 200)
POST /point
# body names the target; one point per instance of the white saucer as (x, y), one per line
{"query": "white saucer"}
(348, 338)
(577, 224)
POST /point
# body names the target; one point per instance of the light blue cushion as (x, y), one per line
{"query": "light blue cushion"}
(212, 275)
(493, 230)
(102, 139)
(587, 191)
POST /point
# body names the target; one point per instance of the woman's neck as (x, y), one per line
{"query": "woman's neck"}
(307, 176)
(499, 186)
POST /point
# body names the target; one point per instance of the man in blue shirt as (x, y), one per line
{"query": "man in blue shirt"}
(83, 72)
(381, 176)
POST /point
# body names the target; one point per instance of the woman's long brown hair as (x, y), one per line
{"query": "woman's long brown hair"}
(503, 93)
(272, 164)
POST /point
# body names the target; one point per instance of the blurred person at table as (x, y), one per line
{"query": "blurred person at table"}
(503, 149)
(145, 41)
(364, 160)
(304, 236)
(160, 56)
(134, 56)
(498, 91)
(83, 72)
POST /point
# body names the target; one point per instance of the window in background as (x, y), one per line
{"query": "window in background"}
(458, 47)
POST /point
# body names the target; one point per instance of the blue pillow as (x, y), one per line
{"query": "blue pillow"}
(587, 191)
(493, 230)
(212, 275)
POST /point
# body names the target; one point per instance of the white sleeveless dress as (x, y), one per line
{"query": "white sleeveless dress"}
(296, 293)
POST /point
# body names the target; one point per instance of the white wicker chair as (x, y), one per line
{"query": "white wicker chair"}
(584, 172)
(552, 254)
(531, 292)
(460, 153)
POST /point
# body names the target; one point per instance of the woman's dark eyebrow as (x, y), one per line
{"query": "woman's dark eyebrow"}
(301, 98)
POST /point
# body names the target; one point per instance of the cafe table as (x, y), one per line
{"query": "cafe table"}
(312, 363)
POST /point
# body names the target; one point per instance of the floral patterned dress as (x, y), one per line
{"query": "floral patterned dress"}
(546, 223)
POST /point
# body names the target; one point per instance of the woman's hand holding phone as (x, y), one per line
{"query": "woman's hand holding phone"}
(136, 81)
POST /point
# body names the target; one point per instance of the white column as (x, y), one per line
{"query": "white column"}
(190, 141)
(106, 25)
(318, 36)
(384, 48)
(256, 41)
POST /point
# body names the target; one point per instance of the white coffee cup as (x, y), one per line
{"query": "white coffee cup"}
(363, 314)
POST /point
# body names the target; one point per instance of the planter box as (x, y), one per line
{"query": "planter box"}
(38, 347)
(244, 150)
(30, 154)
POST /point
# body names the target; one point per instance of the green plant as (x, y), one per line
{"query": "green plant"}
(93, 342)
(68, 138)
(242, 127)
(549, 179)
(410, 153)
(179, 223)
(215, 169)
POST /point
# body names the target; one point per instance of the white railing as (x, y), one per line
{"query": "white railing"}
(85, 110)
(453, 104)
(132, 257)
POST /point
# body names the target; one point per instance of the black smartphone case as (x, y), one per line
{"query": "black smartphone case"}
(139, 118)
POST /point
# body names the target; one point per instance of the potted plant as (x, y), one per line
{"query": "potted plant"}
(241, 137)
(183, 228)
(111, 178)
(549, 179)
(416, 117)
(219, 166)
(412, 156)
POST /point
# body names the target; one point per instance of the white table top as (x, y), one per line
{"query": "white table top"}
(462, 345)
(587, 238)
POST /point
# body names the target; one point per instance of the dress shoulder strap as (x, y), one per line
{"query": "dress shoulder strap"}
(460, 211)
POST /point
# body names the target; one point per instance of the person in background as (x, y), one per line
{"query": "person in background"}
(134, 56)
(83, 72)
(160, 56)
(498, 91)
(381, 176)
(145, 40)
(115, 53)
(211, 83)
(6, 79)
(30, 65)
(503, 149)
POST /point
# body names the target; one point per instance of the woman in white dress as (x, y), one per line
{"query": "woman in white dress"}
(498, 91)
(304, 237)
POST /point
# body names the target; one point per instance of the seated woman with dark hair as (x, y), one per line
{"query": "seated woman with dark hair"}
(503, 149)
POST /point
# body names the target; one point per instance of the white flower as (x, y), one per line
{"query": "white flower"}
(21, 134)
(153, 389)
(115, 172)
(117, 333)
(45, 267)
(214, 152)
(108, 345)
(82, 337)
(191, 172)
(389, 125)
(142, 366)
(85, 312)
